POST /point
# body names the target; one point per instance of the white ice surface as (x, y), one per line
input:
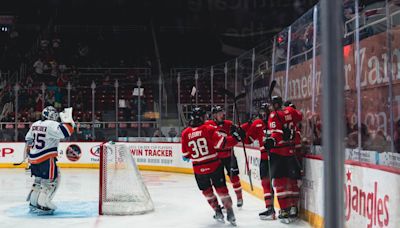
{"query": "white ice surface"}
(178, 203)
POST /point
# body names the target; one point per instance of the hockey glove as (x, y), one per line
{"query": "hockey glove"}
(238, 133)
(269, 143)
(185, 159)
(236, 136)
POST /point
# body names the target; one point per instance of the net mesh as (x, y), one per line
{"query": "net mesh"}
(123, 191)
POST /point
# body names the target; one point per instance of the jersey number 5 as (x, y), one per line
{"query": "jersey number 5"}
(38, 141)
(199, 147)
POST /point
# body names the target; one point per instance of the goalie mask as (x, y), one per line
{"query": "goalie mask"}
(50, 113)
(197, 117)
(218, 114)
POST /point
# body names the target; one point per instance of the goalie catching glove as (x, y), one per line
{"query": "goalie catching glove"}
(66, 116)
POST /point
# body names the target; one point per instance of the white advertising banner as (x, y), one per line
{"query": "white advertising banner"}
(253, 157)
(372, 195)
(150, 154)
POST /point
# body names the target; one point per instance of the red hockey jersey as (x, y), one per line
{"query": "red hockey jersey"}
(257, 132)
(276, 121)
(297, 118)
(224, 128)
(200, 144)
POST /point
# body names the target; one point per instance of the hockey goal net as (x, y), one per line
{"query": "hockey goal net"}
(122, 190)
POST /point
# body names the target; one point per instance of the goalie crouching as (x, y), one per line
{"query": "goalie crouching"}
(41, 149)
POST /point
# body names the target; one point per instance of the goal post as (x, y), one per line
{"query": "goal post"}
(121, 189)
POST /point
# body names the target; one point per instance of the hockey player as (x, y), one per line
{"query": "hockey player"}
(42, 142)
(283, 162)
(297, 118)
(226, 155)
(199, 143)
(257, 132)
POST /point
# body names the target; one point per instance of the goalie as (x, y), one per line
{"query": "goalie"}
(41, 149)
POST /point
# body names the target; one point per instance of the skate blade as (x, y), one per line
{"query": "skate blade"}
(233, 223)
(271, 217)
(41, 213)
(220, 220)
(285, 221)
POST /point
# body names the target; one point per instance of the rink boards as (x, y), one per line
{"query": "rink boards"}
(372, 192)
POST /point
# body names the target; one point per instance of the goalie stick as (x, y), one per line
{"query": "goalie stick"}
(235, 98)
(25, 156)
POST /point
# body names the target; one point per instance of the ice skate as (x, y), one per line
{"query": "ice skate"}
(231, 217)
(269, 214)
(219, 216)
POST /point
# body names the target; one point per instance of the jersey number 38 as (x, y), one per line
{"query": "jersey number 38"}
(199, 147)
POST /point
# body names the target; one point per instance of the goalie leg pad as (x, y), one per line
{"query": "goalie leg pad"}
(47, 191)
(34, 193)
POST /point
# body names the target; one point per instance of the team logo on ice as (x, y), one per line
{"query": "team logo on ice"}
(73, 152)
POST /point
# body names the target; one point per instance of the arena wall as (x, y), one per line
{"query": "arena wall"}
(371, 191)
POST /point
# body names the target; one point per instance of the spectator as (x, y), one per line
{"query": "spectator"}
(3, 84)
(29, 81)
(379, 142)
(39, 106)
(172, 132)
(397, 137)
(56, 42)
(366, 140)
(38, 65)
(44, 43)
(31, 115)
(50, 99)
(158, 133)
(58, 97)
(62, 67)
(62, 80)
(53, 68)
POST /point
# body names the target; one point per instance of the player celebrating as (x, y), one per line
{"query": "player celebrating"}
(199, 143)
(226, 155)
(42, 142)
(282, 159)
(297, 118)
(257, 132)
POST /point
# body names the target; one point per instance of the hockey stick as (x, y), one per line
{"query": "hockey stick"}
(25, 156)
(235, 98)
(270, 90)
(20, 163)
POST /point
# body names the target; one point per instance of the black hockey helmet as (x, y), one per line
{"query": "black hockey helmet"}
(216, 109)
(264, 111)
(289, 104)
(277, 100)
(197, 116)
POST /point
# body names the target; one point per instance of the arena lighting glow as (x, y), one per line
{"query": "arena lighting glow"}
(346, 51)
(280, 39)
